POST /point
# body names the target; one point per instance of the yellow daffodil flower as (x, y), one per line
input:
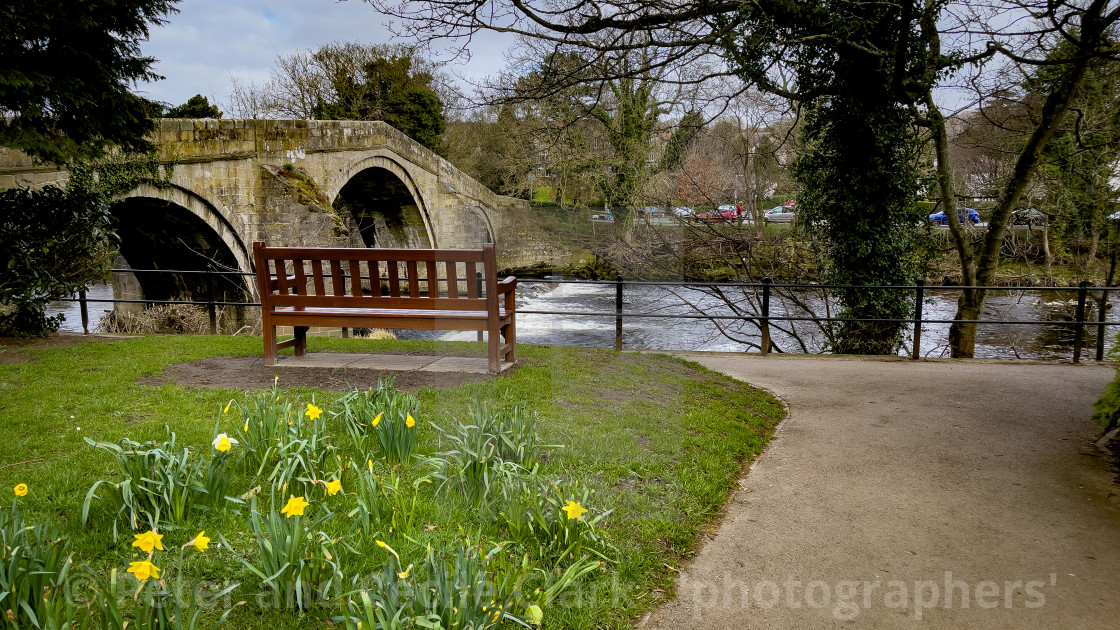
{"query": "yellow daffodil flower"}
(245, 429)
(294, 507)
(313, 412)
(226, 410)
(223, 442)
(381, 543)
(143, 570)
(333, 486)
(201, 542)
(409, 421)
(404, 574)
(574, 510)
(376, 421)
(148, 541)
(370, 464)
(20, 490)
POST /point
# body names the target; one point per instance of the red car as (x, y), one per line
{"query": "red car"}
(723, 214)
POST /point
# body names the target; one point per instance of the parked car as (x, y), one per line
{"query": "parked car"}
(723, 214)
(683, 212)
(1028, 216)
(779, 214)
(938, 218)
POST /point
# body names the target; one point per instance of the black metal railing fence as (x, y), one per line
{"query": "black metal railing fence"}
(763, 318)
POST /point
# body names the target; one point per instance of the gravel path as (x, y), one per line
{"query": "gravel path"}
(898, 494)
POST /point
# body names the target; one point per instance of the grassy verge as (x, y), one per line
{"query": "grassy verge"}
(658, 440)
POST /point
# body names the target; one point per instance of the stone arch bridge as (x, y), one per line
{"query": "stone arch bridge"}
(300, 183)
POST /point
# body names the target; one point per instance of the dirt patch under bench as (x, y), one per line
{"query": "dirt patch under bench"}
(252, 373)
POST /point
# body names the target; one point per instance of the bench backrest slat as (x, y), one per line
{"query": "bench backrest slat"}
(452, 275)
(317, 276)
(338, 283)
(413, 278)
(281, 276)
(472, 281)
(433, 279)
(296, 277)
(300, 286)
(394, 278)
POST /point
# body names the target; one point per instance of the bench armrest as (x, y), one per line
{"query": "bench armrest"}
(507, 288)
(507, 285)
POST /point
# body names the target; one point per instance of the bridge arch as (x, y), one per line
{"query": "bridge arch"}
(385, 203)
(173, 228)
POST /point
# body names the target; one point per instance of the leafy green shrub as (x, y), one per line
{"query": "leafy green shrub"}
(295, 558)
(54, 242)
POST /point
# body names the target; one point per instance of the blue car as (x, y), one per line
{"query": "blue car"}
(939, 217)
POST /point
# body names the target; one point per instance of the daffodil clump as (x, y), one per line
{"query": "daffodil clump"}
(156, 604)
(34, 568)
(262, 423)
(307, 459)
(161, 483)
(553, 520)
(461, 590)
(384, 414)
(296, 561)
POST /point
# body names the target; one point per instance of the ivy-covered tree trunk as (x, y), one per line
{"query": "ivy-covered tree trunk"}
(860, 186)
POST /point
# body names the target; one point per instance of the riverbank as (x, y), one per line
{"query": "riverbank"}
(566, 241)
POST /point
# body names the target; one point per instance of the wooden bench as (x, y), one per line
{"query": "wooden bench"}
(416, 289)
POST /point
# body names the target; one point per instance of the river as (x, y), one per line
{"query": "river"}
(1028, 341)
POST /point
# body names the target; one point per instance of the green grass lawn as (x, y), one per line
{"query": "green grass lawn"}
(659, 441)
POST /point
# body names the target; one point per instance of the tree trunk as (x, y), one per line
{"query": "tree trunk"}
(1094, 244)
(1046, 245)
(962, 336)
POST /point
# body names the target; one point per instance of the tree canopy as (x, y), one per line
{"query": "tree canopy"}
(866, 73)
(66, 68)
(352, 81)
(197, 106)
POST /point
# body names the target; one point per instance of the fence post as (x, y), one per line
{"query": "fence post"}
(210, 302)
(84, 309)
(618, 313)
(764, 321)
(478, 278)
(1079, 327)
(1102, 306)
(919, 298)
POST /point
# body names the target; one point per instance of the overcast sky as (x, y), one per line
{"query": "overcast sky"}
(210, 40)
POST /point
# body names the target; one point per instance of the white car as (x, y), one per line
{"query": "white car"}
(779, 214)
(682, 211)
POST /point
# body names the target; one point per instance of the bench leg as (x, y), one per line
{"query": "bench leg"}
(269, 333)
(301, 340)
(494, 348)
(511, 338)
